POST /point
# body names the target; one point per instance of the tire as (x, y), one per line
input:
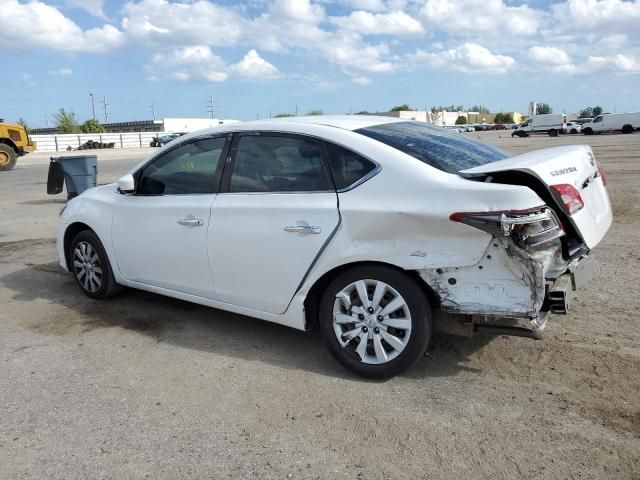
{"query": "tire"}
(627, 129)
(553, 133)
(573, 131)
(588, 131)
(8, 157)
(86, 249)
(387, 351)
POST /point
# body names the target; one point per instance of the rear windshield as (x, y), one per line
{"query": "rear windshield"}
(435, 146)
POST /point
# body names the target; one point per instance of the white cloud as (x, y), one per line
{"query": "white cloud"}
(38, 25)
(617, 63)
(369, 5)
(189, 63)
(254, 66)
(63, 72)
(614, 41)
(613, 16)
(367, 23)
(361, 80)
(470, 17)
(467, 58)
(164, 23)
(28, 79)
(549, 55)
(94, 7)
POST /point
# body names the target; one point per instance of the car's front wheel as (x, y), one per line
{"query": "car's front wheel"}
(375, 320)
(90, 266)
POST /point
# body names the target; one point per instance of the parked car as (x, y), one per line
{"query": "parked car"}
(373, 230)
(499, 126)
(162, 140)
(574, 127)
(613, 122)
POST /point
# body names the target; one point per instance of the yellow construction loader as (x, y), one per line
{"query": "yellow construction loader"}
(14, 142)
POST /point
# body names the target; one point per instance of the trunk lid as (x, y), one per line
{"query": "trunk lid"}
(574, 165)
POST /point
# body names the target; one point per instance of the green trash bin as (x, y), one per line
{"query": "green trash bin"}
(79, 173)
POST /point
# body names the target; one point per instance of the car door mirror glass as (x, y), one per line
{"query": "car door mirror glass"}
(127, 184)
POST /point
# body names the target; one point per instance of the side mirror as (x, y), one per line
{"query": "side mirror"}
(127, 184)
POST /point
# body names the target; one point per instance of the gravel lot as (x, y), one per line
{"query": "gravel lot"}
(144, 386)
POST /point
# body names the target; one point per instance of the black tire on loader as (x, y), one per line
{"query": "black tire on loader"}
(8, 157)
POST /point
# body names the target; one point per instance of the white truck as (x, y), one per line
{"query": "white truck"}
(613, 122)
(549, 123)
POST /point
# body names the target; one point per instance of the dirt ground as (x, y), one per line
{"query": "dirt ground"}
(144, 386)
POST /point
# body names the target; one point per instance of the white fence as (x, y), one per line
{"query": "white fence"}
(62, 143)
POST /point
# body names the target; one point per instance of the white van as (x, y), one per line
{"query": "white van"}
(549, 123)
(622, 122)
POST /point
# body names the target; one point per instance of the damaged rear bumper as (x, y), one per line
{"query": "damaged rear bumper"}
(509, 291)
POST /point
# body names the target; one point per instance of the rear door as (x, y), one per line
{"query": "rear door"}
(556, 167)
(276, 211)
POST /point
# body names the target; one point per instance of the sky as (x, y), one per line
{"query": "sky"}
(260, 57)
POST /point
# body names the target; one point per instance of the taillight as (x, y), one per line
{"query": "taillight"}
(571, 199)
(529, 228)
(601, 172)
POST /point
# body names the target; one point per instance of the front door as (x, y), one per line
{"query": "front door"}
(276, 210)
(160, 233)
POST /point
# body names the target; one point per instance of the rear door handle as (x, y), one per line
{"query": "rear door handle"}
(302, 229)
(190, 221)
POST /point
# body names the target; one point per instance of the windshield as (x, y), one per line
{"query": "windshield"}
(435, 146)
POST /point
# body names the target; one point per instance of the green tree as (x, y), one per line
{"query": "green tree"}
(479, 109)
(503, 118)
(92, 126)
(362, 112)
(401, 108)
(24, 124)
(66, 121)
(543, 108)
(586, 113)
(283, 115)
(597, 110)
(315, 112)
(461, 120)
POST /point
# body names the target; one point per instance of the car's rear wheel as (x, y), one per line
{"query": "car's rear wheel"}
(375, 320)
(553, 132)
(627, 129)
(90, 266)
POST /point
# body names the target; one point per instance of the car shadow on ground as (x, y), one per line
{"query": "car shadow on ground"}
(192, 326)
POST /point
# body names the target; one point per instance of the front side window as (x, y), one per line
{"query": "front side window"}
(597, 119)
(187, 169)
(435, 146)
(276, 163)
(347, 167)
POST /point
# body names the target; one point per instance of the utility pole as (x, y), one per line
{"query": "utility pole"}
(106, 110)
(269, 113)
(93, 106)
(153, 111)
(210, 107)
(296, 109)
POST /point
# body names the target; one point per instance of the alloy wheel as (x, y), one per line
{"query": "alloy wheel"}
(371, 321)
(4, 159)
(87, 267)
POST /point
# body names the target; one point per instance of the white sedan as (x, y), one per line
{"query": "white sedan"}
(373, 230)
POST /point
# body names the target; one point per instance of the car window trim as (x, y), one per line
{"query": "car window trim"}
(230, 162)
(362, 179)
(217, 176)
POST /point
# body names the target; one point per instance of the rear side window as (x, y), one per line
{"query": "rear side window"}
(347, 167)
(435, 146)
(187, 169)
(278, 163)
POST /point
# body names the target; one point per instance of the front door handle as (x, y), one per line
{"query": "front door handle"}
(190, 221)
(302, 229)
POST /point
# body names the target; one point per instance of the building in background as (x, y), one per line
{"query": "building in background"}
(164, 125)
(449, 118)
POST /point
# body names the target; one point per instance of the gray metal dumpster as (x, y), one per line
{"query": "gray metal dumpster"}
(78, 172)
